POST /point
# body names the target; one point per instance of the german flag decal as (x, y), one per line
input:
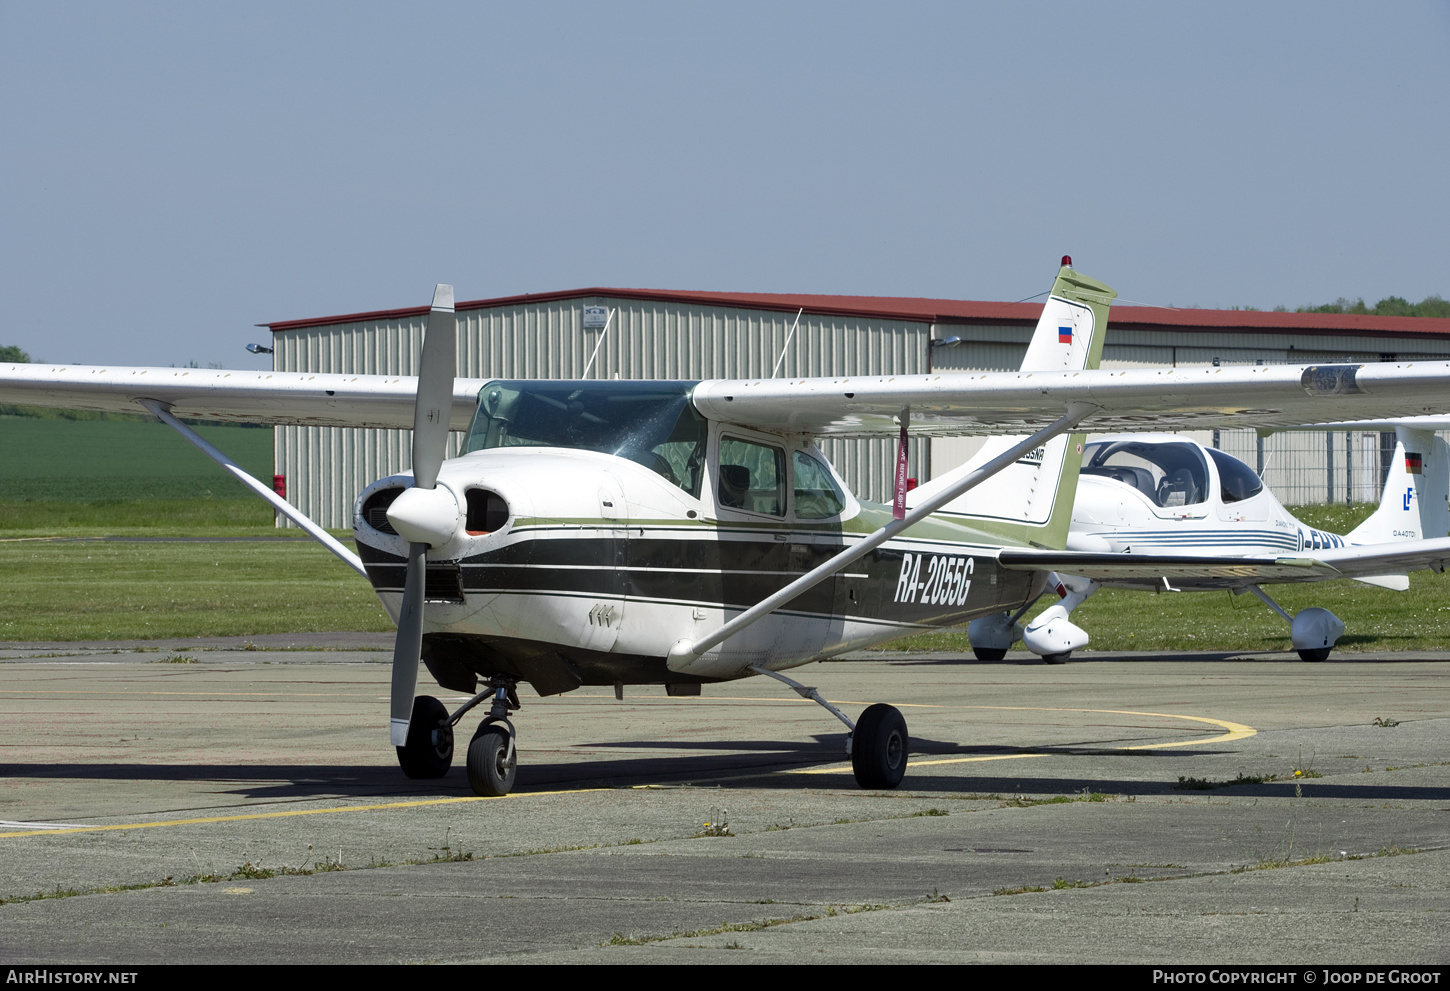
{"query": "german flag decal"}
(1412, 463)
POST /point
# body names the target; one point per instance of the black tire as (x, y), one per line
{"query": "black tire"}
(489, 774)
(421, 756)
(1315, 655)
(990, 653)
(879, 747)
(1056, 658)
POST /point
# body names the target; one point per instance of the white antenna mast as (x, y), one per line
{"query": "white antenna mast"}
(781, 360)
(598, 344)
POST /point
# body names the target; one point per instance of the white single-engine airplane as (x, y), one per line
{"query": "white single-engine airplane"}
(1157, 494)
(684, 533)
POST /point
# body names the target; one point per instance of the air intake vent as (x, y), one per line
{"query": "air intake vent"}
(444, 582)
(487, 512)
(375, 510)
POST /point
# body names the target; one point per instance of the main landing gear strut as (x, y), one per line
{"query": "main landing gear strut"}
(1313, 632)
(877, 744)
(492, 755)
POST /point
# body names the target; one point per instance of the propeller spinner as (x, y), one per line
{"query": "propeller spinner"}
(426, 514)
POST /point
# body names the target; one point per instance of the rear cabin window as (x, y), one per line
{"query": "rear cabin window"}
(1236, 480)
(752, 477)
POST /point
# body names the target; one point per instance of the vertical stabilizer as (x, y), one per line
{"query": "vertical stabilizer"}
(1032, 499)
(1415, 504)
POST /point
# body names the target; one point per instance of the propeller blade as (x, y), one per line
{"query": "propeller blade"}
(408, 647)
(434, 405)
(431, 412)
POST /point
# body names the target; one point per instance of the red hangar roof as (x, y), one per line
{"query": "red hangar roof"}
(954, 311)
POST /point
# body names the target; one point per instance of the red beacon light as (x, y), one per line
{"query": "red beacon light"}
(1067, 261)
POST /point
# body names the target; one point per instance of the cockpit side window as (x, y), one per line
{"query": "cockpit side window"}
(1170, 474)
(752, 477)
(1236, 480)
(817, 496)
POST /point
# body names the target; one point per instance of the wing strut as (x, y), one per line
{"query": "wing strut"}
(686, 653)
(162, 412)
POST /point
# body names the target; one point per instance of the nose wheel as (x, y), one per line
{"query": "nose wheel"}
(492, 761)
(492, 754)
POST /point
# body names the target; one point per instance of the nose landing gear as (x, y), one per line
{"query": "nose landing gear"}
(492, 755)
(493, 761)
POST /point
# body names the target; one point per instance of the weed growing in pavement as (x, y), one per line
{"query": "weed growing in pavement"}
(619, 939)
(447, 853)
(718, 825)
(1085, 796)
(1385, 723)
(1263, 864)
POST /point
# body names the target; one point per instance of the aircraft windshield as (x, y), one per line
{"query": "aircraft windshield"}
(1170, 474)
(652, 423)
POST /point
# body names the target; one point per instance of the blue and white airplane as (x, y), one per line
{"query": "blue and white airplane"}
(1160, 496)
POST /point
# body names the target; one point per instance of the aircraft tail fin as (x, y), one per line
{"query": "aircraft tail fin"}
(1415, 504)
(1032, 499)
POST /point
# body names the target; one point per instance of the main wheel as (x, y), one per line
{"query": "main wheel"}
(878, 747)
(1056, 658)
(1315, 655)
(990, 653)
(491, 767)
(429, 750)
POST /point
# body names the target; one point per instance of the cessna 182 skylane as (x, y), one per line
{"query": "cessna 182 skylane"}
(1158, 493)
(678, 533)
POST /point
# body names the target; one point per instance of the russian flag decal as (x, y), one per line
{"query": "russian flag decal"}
(1064, 335)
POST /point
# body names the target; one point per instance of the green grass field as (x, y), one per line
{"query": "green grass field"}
(90, 590)
(80, 461)
(126, 476)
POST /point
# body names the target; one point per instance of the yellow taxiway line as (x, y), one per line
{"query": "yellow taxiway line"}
(297, 812)
(1236, 731)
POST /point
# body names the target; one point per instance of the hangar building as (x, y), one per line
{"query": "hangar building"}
(644, 333)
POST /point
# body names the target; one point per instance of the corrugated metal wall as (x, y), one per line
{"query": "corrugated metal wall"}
(326, 467)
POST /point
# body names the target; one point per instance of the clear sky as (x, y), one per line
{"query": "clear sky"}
(175, 173)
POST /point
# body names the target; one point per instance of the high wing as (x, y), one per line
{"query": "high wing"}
(951, 404)
(281, 398)
(1169, 399)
